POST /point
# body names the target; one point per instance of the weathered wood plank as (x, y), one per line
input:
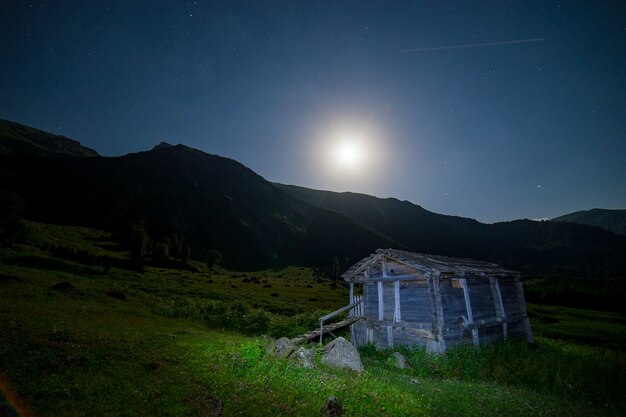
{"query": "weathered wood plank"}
(381, 305)
(470, 316)
(396, 293)
(341, 310)
(329, 328)
(498, 304)
(522, 302)
(433, 287)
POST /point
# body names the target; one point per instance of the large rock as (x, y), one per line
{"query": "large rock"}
(341, 354)
(281, 348)
(398, 360)
(304, 357)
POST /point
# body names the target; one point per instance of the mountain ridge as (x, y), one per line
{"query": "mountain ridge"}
(214, 202)
(531, 246)
(610, 219)
(20, 140)
(218, 203)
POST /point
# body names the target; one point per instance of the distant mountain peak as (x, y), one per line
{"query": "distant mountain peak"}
(610, 219)
(24, 141)
(163, 145)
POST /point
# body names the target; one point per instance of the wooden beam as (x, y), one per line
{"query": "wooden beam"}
(522, 301)
(389, 336)
(435, 296)
(404, 277)
(470, 315)
(381, 309)
(351, 297)
(499, 305)
(396, 295)
(341, 310)
(422, 333)
(326, 329)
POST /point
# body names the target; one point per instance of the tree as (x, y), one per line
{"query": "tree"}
(213, 259)
(334, 271)
(139, 240)
(11, 226)
(160, 253)
(185, 253)
(177, 246)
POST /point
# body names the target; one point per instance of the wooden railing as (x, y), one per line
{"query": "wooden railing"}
(355, 309)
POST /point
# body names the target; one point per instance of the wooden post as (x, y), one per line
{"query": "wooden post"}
(384, 266)
(522, 301)
(396, 293)
(351, 313)
(435, 296)
(381, 310)
(321, 330)
(497, 298)
(470, 316)
(389, 336)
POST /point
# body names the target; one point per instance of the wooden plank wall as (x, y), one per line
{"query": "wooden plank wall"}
(418, 325)
(388, 302)
(490, 334)
(366, 331)
(483, 305)
(415, 302)
(370, 294)
(510, 298)
(517, 330)
(453, 303)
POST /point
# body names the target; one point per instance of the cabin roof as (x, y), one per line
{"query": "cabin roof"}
(426, 264)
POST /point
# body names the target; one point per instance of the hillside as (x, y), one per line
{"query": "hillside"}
(531, 246)
(415, 227)
(210, 201)
(24, 141)
(214, 202)
(614, 220)
(89, 341)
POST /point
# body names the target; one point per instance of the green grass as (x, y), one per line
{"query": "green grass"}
(587, 327)
(80, 351)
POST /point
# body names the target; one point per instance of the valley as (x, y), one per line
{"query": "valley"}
(176, 342)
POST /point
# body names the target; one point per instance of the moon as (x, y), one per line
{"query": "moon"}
(349, 153)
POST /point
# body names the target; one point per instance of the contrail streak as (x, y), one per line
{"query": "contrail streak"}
(473, 45)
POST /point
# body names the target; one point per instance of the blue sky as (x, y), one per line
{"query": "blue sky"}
(494, 132)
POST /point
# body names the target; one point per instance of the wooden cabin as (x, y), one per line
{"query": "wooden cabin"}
(435, 302)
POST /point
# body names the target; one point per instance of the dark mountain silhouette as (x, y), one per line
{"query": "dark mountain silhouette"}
(20, 140)
(414, 226)
(534, 247)
(218, 203)
(213, 202)
(614, 220)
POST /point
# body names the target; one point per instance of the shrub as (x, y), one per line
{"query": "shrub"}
(295, 325)
(160, 253)
(217, 314)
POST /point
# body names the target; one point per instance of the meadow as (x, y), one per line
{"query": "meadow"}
(82, 338)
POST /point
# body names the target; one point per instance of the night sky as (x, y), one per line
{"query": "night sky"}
(494, 110)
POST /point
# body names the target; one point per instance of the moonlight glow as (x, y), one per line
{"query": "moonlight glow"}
(349, 154)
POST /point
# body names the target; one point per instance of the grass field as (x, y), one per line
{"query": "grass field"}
(111, 344)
